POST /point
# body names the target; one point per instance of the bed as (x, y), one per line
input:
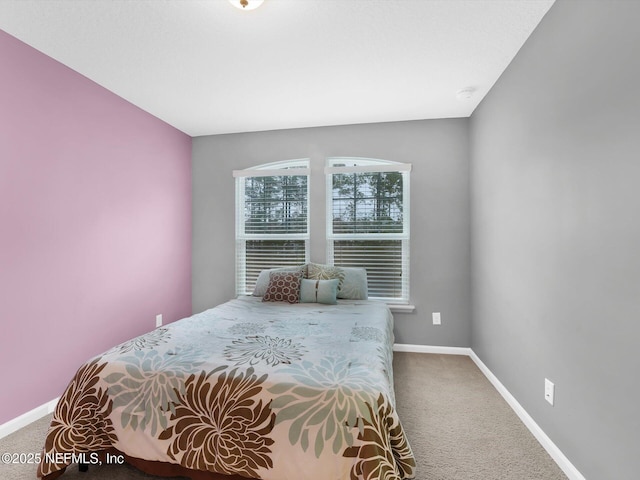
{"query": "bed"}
(248, 389)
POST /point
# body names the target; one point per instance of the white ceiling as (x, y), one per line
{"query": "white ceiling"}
(206, 67)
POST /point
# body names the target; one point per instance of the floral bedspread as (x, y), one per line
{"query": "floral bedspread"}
(263, 390)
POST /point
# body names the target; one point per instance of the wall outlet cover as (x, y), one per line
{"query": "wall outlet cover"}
(549, 390)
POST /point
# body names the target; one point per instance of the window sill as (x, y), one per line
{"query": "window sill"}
(401, 308)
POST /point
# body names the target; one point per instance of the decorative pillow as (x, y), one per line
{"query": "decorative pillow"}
(352, 281)
(319, 291)
(283, 287)
(354, 284)
(263, 279)
(316, 271)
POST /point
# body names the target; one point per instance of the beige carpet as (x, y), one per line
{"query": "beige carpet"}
(459, 427)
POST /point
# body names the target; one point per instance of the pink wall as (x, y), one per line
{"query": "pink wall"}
(95, 224)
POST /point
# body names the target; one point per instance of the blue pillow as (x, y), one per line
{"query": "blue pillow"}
(319, 291)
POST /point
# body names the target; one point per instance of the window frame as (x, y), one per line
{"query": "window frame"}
(370, 165)
(297, 167)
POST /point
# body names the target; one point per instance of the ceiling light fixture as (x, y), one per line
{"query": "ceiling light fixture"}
(246, 4)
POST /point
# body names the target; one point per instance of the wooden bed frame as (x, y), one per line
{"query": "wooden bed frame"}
(159, 469)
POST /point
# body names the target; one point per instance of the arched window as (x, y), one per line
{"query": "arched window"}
(368, 222)
(272, 223)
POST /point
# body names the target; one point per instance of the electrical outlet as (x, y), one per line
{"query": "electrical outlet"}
(158, 320)
(549, 390)
(436, 318)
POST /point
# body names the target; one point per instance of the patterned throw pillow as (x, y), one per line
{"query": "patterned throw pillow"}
(283, 287)
(316, 271)
(263, 278)
(354, 285)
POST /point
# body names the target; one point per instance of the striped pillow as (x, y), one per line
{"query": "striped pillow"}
(319, 291)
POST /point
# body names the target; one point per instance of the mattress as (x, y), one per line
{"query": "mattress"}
(256, 389)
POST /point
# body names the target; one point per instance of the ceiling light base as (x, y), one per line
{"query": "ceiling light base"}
(246, 4)
(465, 93)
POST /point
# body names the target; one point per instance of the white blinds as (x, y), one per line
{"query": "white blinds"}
(272, 227)
(275, 205)
(368, 223)
(263, 254)
(387, 266)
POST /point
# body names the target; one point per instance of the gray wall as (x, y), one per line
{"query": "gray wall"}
(555, 177)
(440, 249)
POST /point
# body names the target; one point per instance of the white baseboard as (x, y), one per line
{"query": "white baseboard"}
(404, 347)
(27, 418)
(563, 462)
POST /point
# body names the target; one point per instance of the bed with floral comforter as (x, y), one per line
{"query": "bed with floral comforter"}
(258, 390)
